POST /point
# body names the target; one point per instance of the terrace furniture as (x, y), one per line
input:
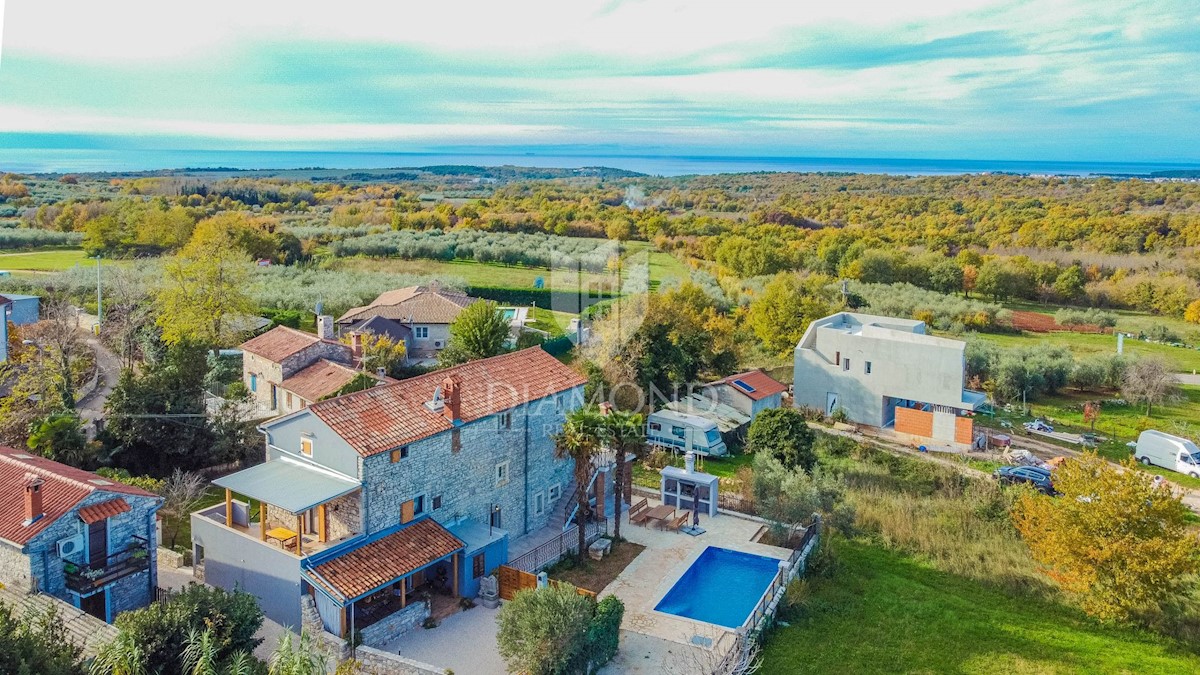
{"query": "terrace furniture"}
(678, 522)
(659, 514)
(637, 512)
(282, 535)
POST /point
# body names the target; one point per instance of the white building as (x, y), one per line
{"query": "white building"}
(886, 372)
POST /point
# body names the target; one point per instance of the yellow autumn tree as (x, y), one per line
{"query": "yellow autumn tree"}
(1112, 539)
(204, 297)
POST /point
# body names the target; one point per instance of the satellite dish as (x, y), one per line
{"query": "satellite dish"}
(437, 394)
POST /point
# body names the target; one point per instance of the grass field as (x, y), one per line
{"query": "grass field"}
(1081, 344)
(1128, 320)
(726, 467)
(884, 612)
(46, 261)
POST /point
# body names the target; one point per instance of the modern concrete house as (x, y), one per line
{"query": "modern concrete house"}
(886, 372)
(424, 313)
(406, 491)
(73, 535)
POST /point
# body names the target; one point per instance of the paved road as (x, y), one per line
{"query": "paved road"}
(91, 407)
(1187, 378)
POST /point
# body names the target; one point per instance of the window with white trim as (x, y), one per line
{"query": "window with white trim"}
(554, 492)
(306, 447)
(502, 474)
(421, 332)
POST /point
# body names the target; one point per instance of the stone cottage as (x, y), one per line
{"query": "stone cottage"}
(74, 535)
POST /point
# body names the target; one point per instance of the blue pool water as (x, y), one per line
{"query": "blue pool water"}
(721, 587)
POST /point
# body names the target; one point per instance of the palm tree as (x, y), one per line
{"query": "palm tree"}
(580, 439)
(200, 657)
(122, 656)
(297, 659)
(625, 433)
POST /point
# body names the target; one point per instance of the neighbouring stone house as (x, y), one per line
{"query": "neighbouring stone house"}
(403, 492)
(420, 314)
(76, 536)
(287, 369)
(886, 372)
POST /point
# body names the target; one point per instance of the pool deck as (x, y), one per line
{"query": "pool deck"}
(652, 574)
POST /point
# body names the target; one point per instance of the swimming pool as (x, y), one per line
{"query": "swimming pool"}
(721, 587)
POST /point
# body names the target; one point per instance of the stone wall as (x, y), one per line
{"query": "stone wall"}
(369, 661)
(344, 516)
(169, 559)
(375, 662)
(392, 627)
(466, 480)
(14, 568)
(267, 372)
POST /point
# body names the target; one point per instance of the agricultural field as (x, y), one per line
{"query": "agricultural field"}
(884, 611)
(45, 261)
(1083, 344)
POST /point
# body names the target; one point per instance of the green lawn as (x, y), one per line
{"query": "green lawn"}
(48, 261)
(884, 612)
(554, 323)
(726, 467)
(1083, 344)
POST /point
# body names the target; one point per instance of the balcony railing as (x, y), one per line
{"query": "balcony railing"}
(84, 578)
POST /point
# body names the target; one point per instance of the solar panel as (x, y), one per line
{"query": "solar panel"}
(743, 386)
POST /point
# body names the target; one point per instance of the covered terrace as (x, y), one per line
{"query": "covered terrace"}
(301, 508)
(388, 584)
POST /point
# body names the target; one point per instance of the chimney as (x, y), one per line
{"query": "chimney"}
(325, 326)
(451, 402)
(356, 345)
(689, 462)
(33, 498)
(381, 372)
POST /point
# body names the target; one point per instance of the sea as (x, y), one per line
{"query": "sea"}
(109, 159)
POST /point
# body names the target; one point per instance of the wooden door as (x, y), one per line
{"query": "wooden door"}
(98, 543)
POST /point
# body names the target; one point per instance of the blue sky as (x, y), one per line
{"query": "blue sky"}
(1055, 80)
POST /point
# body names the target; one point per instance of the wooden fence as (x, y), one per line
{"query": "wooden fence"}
(513, 580)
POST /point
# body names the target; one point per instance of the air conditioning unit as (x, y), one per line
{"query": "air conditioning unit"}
(437, 344)
(70, 546)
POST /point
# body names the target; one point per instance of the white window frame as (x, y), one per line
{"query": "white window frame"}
(502, 473)
(554, 493)
(306, 440)
(421, 332)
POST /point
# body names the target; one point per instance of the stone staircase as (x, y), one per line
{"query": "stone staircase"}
(562, 508)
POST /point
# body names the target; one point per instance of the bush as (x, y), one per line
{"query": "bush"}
(161, 629)
(544, 631)
(604, 632)
(37, 644)
(532, 250)
(1085, 317)
(783, 433)
(30, 238)
(937, 309)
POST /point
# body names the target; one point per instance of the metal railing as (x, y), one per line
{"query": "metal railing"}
(85, 578)
(544, 555)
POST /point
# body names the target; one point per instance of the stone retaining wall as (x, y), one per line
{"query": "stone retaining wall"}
(169, 559)
(392, 627)
(370, 661)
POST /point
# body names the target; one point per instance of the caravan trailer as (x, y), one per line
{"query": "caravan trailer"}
(682, 432)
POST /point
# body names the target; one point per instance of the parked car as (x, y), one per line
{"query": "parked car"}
(1041, 479)
(1170, 452)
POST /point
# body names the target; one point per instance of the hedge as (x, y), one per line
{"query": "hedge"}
(604, 632)
(542, 297)
(558, 346)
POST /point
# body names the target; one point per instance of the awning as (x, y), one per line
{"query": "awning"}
(288, 485)
(974, 399)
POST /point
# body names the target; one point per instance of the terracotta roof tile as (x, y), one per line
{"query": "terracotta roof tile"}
(319, 380)
(64, 488)
(98, 512)
(388, 558)
(281, 342)
(418, 304)
(764, 385)
(382, 418)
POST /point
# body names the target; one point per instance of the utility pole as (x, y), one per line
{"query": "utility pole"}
(99, 294)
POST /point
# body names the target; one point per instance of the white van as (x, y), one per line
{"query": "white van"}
(1169, 452)
(683, 432)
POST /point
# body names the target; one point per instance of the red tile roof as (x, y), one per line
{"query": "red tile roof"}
(281, 342)
(98, 512)
(319, 380)
(764, 385)
(64, 488)
(382, 418)
(387, 559)
(419, 304)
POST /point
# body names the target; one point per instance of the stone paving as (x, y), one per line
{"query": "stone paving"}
(464, 642)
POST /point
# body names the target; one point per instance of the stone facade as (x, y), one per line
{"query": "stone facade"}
(269, 374)
(344, 516)
(369, 661)
(43, 568)
(392, 627)
(467, 481)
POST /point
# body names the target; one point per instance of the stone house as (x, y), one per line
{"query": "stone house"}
(886, 372)
(421, 313)
(73, 535)
(286, 369)
(404, 491)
